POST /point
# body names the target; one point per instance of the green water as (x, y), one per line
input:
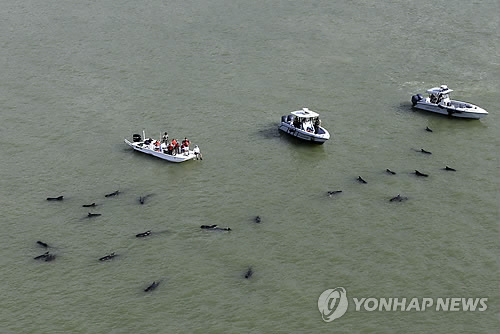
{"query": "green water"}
(78, 77)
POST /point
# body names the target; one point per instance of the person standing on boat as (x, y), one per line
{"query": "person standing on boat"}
(170, 147)
(197, 152)
(185, 145)
(317, 124)
(177, 147)
(164, 138)
(308, 126)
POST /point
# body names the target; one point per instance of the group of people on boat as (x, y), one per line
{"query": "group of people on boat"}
(440, 96)
(307, 124)
(172, 147)
(437, 98)
(175, 146)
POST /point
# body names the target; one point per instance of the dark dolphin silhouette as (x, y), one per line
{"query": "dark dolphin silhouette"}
(428, 129)
(90, 215)
(208, 226)
(249, 273)
(41, 257)
(114, 193)
(43, 244)
(424, 151)
(390, 171)
(398, 198)
(215, 227)
(60, 198)
(450, 169)
(334, 192)
(153, 286)
(257, 219)
(89, 205)
(144, 234)
(360, 179)
(47, 257)
(142, 199)
(107, 257)
(420, 173)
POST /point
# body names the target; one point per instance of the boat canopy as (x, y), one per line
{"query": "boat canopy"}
(304, 113)
(440, 90)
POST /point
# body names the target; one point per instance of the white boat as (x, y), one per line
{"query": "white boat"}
(162, 150)
(439, 102)
(304, 124)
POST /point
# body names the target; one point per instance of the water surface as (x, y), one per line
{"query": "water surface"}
(78, 77)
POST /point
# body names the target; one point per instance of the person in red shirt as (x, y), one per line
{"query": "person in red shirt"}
(177, 147)
(170, 147)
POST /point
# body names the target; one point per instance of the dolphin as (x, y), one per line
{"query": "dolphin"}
(89, 205)
(420, 174)
(398, 198)
(334, 192)
(360, 179)
(43, 244)
(60, 198)
(257, 219)
(41, 257)
(153, 286)
(47, 257)
(450, 169)
(428, 129)
(90, 215)
(142, 199)
(215, 227)
(144, 234)
(107, 257)
(424, 151)
(114, 193)
(390, 171)
(208, 226)
(249, 273)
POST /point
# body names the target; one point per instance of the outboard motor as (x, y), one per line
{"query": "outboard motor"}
(136, 137)
(416, 98)
(283, 119)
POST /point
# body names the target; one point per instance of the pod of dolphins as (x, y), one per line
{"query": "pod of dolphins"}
(48, 257)
(397, 198)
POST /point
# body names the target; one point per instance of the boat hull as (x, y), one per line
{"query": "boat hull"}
(304, 135)
(449, 107)
(181, 157)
